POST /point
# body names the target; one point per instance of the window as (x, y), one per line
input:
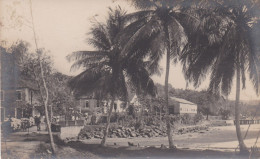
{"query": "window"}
(19, 95)
(86, 104)
(2, 95)
(115, 106)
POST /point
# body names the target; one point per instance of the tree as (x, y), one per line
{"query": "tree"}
(232, 55)
(107, 69)
(45, 95)
(160, 32)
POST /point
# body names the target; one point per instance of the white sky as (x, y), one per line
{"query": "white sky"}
(61, 27)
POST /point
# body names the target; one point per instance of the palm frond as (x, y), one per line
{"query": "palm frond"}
(138, 42)
(100, 36)
(83, 54)
(132, 17)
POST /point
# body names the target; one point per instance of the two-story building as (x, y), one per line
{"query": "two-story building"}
(18, 95)
(90, 104)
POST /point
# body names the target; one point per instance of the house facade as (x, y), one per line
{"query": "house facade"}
(18, 96)
(182, 106)
(89, 104)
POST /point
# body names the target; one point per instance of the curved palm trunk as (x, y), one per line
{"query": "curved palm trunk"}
(168, 124)
(242, 146)
(103, 142)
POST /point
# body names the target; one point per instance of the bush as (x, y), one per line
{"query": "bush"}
(93, 120)
(102, 119)
(16, 124)
(152, 120)
(175, 119)
(186, 119)
(114, 117)
(197, 118)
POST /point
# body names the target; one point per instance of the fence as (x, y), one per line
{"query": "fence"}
(247, 122)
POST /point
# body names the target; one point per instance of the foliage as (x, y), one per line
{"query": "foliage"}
(108, 68)
(131, 110)
(233, 52)
(235, 29)
(224, 113)
(29, 70)
(197, 118)
(93, 119)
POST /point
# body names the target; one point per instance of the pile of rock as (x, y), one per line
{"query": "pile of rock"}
(127, 132)
(124, 132)
(192, 129)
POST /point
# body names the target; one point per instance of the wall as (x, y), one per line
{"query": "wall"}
(92, 104)
(188, 108)
(69, 132)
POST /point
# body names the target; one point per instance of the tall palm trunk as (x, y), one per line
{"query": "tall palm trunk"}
(103, 142)
(44, 84)
(242, 146)
(168, 123)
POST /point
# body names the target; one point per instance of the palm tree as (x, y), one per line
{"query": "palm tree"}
(107, 70)
(159, 32)
(233, 55)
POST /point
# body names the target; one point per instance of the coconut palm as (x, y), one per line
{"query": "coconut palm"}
(159, 32)
(107, 70)
(233, 55)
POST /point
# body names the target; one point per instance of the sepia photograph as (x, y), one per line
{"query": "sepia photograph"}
(162, 79)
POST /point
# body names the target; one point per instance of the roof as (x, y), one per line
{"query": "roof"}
(179, 100)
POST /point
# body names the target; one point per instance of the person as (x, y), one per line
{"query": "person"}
(38, 123)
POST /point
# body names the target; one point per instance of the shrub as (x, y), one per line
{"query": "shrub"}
(197, 118)
(114, 117)
(186, 119)
(102, 119)
(16, 124)
(93, 120)
(175, 119)
(152, 120)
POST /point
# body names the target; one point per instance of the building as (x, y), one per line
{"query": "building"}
(87, 104)
(18, 95)
(181, 106)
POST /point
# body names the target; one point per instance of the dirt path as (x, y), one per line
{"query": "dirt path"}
(196, 145)
(217, 138)
(20, 145)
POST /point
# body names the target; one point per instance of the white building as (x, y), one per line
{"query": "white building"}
(181, 106)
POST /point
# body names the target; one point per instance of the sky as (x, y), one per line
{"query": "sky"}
(62, 26)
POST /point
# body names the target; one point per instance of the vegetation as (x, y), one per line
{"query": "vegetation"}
(220, 38)
(235, 53)
(108, 70)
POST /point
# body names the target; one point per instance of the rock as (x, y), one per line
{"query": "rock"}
(113, 136)
(163, 146)
(48, 151)
(96, 136)
(132, 134)
(130, 144)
